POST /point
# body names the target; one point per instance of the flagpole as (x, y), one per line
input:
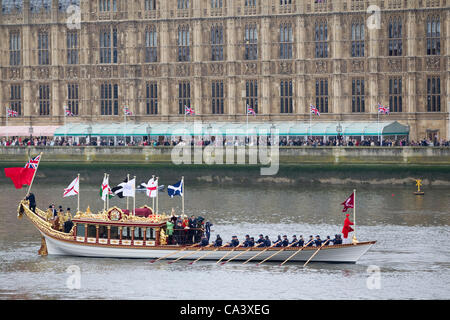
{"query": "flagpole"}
(134, 198)
(182, 193)
(104, 201)
(107, 195)
(7, 131)
(157, 194)
(125, 129)
(79, 190)
(153, 199)
(65, 128)
(310, 124)
(34, 175)
(354, 213)
(128, 180)
(247, 124)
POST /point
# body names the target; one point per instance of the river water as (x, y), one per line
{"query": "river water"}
(411, 255)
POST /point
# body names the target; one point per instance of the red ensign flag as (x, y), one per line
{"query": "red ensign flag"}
(349, 203)
(20, 176)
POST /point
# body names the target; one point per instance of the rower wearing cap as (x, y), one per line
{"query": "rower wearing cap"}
(260, 242)
(278, 243)
(318, 241)
(294, 242)
(285, 241)
(247, 241)
(234, 241)
(311, 241)
(301, 241)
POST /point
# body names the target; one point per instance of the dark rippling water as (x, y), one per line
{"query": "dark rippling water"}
(412, 251)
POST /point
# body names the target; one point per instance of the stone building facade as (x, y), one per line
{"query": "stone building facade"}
(218, 56)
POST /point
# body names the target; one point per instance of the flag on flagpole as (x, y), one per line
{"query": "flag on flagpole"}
(20, 176)
(315, 110)
(189, 110)
(383, 109)
(349, 203)
(33, 163)
(250, 110)
(129, 188)
(176, 189)
(118, 191)
(152, 188)
(68, 112)
(127, 111)
(11, 113)
(73, 189)
(105, 189)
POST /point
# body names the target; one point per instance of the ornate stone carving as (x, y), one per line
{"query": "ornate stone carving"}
(183, 70)
(357, 65)
(433, 63)
(216, 68)
(285, 67)
(250, 68)
(394, 65)
(43, 73)
(104, 71)
(321, 66)
(14, 74)
(150, 70)
(72, 73)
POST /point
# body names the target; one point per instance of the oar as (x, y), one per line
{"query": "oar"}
(277, 253)
(296, 253)
(232, 258)
(323, 244)
(188, 254)
(261, 252)
(228, 253)
(171, 254)
(206, 254)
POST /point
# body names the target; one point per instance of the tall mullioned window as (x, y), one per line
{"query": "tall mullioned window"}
(14, 49)
(73, 98)
(216, 4)
(286, 41)
(321, 39)
(63, 5)
(322, 95)
(433, 36)
(43, 48)
(216, 43)
(251, 42)
(152, 98)
(358, 39)
(184, 96)
(15, 100)
(109, 99)
(150, 5)
(72, 47)
(395, 33)
(44, 99)
(434, 94)
(108, 46)
(358, 96)
(395, 95)
(183, 4)
(37, 6)
(183, 44)
(107, 5)
(217, 97)
(250, 3)
(151, 45)
(286, 96)
(251, 94)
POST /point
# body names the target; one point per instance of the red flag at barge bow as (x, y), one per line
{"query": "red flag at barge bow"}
(20, 176)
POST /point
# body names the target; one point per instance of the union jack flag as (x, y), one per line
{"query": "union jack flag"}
(68, 112)
(383, 109)
(315, 110)
(189, 110)
(250, 110)
(33, 163)
(12, 114)
(127, 111)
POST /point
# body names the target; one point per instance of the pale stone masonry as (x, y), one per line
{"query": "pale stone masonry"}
(316, 66)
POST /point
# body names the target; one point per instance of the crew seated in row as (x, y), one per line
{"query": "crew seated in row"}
(280, 242)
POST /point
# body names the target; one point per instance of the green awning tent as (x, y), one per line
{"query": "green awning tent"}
(234, 129)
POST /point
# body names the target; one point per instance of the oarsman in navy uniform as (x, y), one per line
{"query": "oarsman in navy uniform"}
(208, 226)
(301, 241)
(294, 242)
(318, 241)
(267, 242)
(251, 242)
(278, 242)
(247, 241)
(285, 241)
(260, 242)
(234, 241)
(204, 242)
(218, 242)
(311, 241)
(327, 241)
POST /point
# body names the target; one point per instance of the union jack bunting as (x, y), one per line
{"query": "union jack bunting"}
(12, 114)
(189, 110)
(315, 110)
(250, 110)
(127, 111)
(383, 109)
(68, 112)
(33, 163)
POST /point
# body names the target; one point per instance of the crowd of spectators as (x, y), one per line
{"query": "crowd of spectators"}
(205, 141)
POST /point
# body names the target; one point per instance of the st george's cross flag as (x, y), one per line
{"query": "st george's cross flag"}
(105, 189)
(152, 188)
(176, 189)
(349, 203)
(73, 189)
